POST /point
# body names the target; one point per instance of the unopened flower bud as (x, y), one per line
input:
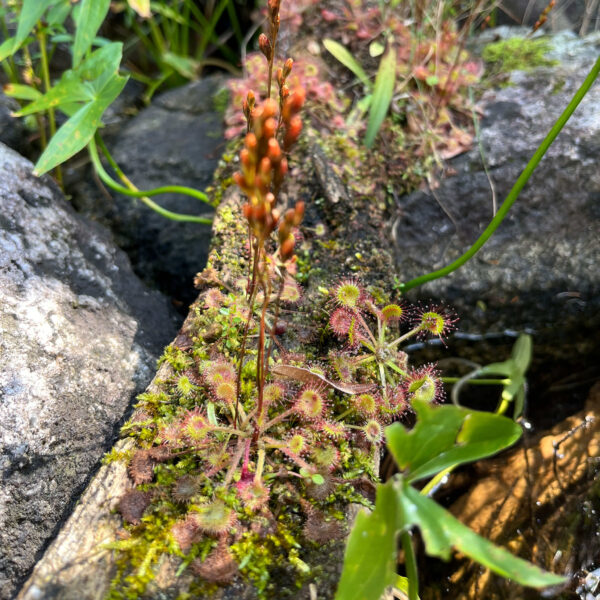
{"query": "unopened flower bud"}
(283, 167)
(265, 166)
(279, 77)
(238, 179)
(245, 158)
(274, 8)
(251, 142)
(299, 212)
(259, 211)
(293, 104)
(269, 108)
(287, 248)
(270, 199)
(247, 210)
(293, 131)
(273, 150)
(289, 216)
(265, 46)
(287, 67)
(270, 128)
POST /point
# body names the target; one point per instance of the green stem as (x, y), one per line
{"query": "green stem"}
(131, 190)
(476, 381)
(435, 481)
(47, 85)
(165, 189)
(411, 566)
(515, 191)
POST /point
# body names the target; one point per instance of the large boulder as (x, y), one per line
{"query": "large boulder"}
(12, 130)
(178, 139)
(79, 338)
(539, 272)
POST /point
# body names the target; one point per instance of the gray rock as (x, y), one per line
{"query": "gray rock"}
(12, 130)
(176, 140)
(539, 272)
(79, 337)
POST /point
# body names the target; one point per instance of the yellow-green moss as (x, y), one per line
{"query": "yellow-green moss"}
(522, 54)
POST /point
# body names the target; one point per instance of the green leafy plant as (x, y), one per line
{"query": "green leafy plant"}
(181, 38)
(82, 94)
(513, 370)
(443, 437)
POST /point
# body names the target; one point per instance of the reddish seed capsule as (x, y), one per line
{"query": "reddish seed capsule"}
(270, 199)
(247, 210)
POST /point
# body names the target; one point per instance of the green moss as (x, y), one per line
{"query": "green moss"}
(522, 54)
(221, 100)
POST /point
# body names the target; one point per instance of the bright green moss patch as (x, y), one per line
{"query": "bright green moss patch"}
(517, 54)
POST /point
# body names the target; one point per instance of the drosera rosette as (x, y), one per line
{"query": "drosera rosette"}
(373, 334)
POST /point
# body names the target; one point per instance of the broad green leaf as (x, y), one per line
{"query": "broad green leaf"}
(22, 92)
(441, 532)
(66, 91)
(107, 58)
(185, 66)
(383, 93)
(341, 54)
(370, 557)
(80, 128)
(445, 436)
(141, 7)
(90, 17)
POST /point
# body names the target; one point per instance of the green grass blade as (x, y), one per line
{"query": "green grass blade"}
(342, 55)
(383, 93)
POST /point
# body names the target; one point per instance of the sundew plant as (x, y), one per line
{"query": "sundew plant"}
(252, 449)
